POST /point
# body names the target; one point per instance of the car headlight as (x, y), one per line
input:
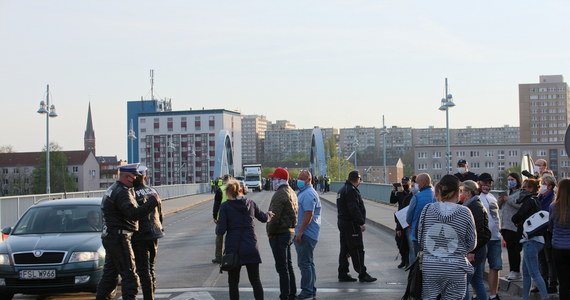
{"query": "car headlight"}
(4, 259)
(83, 256)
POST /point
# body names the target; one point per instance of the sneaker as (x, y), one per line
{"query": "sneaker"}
(304, 297)
(402, 265)
(366, 278)
(514, 276)
(346, 278)
(216, 261)
(534, 290)
(496, 297)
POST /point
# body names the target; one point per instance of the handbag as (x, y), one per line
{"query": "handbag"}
(229, 262)
(415, 278)
(536, 224)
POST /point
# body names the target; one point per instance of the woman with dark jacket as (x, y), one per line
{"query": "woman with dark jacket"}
(470, 198)
(509, 231)
(236, 221)
(532, 245)
(560, 229)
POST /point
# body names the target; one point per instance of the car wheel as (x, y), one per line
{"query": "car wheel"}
(6, 295)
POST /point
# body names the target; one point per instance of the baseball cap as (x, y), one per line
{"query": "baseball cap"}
(405, 179)
(353, 175)
(280, 173)
(461, 162)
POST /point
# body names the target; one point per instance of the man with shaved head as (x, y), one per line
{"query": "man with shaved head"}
(417, 204)
(307, 233)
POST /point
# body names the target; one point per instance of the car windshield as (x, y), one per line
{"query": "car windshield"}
(60, 219)
(252, 178)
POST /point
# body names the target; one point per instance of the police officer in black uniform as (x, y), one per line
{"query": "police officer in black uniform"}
(351, 219)
(145, 240)
(120, 213)
(463, 172)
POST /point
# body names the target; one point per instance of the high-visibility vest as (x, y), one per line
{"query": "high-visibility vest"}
(220, 182)
(211, 182)
(224, 198)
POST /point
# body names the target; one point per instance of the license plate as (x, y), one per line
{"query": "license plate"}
(37, 274)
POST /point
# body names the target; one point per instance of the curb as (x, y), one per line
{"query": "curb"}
(175, 210)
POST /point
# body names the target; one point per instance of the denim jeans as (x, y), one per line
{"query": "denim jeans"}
(306, 264)
(476, 281)
(281, 248)
(531, 269)
(411, 249)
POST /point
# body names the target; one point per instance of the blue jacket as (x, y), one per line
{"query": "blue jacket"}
(560, 231)
(416, 206)
(236, 221)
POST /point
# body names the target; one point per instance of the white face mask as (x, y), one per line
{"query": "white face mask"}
(417, 186)
(543, 189)
(536, 169)
(461, 170)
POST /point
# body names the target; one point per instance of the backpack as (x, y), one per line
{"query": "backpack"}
(536, 224)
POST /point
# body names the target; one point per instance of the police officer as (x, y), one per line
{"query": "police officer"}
(120, 213)
(351, 219)
(145, 240)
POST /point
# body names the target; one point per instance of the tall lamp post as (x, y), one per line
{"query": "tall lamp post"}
(446, 104)
(49, 111)
(132, 137)
(383, 133)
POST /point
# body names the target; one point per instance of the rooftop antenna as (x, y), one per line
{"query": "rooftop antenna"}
(151, 84)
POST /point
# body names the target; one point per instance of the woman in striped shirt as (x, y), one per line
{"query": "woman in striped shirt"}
(446, 233)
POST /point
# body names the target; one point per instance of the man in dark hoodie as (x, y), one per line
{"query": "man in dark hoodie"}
(281, 230)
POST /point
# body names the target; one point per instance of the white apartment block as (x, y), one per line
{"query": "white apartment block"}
(179, 147)
(253, 129)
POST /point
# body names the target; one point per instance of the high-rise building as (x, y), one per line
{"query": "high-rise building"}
(179, 147)
(134, 108)
(543, 110)
(253, 129)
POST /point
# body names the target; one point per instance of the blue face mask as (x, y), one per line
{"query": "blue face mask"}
(300, 184)
(512, 184)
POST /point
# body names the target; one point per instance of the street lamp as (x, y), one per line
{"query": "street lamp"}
(170, 145)
(383, 133)
(132, 137)
(49, 111)
(446, 104)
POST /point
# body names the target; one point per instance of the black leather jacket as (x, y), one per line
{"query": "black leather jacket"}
(120, 209)
(481, 219)
(150, 226)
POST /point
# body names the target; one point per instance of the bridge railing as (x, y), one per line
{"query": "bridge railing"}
(12, 207)
(378, 192)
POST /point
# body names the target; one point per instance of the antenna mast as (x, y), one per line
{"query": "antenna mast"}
(151, 84)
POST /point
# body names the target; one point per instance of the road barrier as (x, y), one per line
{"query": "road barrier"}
(12, 207)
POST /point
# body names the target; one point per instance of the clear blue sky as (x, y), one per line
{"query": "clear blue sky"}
(320, 62)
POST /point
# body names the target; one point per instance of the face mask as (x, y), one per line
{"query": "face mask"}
(542, 189)
(461, 170)
(536, 169)
(300, 184)
(461, 197)
(512, 184)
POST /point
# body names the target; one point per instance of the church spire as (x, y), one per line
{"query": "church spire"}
(89, 139)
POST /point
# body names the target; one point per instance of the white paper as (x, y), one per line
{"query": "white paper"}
(401, 216)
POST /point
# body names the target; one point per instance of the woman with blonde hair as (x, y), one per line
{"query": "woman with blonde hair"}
(560, 229)
(446, 233)
(236, 221)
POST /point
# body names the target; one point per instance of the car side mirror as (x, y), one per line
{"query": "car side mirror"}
(6, 230)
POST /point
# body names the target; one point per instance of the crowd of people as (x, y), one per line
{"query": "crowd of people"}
(458, 228)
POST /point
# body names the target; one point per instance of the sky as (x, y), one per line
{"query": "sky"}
(320, 63)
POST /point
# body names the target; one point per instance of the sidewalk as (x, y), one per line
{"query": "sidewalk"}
(382, 215)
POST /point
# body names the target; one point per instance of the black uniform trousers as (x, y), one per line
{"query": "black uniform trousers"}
(351, 244)
(145, 257)
(119, 260)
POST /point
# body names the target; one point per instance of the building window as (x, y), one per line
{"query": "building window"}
(437, 154)
(437, 165)
(156, 124)
(4, 171)
(422, 166)
(143, 120)
(541, 153)
(75, 169)
(183, 124)
(422, 154)
(474, 154)
(475, 165)
(212, 122)
(501, 154)
(513, 153)
(169, 124)
(16, 171)
(460, 153)
(197, 123)
(489, 164)
(489, 154)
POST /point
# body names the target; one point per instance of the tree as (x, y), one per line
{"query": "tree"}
(331, 147)
(332, 168)
(60, 179)
(408, 161)
(6, 149)
(298, 156)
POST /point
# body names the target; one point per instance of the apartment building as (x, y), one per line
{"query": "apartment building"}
(253, 129)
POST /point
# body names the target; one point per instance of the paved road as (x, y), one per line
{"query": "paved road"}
(185, 270)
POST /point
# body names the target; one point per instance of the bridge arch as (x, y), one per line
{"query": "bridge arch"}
(224, 163)
(318, 161)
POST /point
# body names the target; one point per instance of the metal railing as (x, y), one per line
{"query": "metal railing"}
(12, 207)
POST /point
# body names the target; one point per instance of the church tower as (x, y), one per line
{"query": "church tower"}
(89, 139)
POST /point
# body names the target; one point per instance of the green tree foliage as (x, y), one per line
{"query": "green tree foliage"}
(298, 156)
(332, 168)
(60, 179)
(293, 173)
(408, 161)
(331, 147)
